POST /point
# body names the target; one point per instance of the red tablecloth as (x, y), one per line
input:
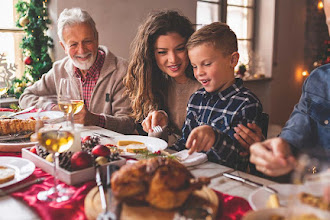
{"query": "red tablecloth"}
(230, 207)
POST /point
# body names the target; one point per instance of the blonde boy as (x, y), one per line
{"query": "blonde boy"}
(214, 111)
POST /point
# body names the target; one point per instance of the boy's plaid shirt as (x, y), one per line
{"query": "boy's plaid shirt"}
(222, 111)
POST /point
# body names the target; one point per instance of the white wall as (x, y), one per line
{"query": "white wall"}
(117, 20)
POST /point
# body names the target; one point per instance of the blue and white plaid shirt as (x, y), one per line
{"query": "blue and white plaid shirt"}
(222, 111)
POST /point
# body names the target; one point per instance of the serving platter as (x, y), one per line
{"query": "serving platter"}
(205, 199)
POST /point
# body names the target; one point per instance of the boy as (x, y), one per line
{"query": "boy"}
(214, 111)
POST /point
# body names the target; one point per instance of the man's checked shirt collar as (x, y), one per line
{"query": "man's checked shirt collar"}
(95, 69)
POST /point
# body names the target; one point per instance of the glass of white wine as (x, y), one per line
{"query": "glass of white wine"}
(4, 86)
(56, 138)
(312, 178)
(64, 98)
(76, 94)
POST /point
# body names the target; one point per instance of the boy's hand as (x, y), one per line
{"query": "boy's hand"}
(201, 138)
(153, 119)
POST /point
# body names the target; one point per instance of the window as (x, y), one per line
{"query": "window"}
(10, 38)
(238, 14)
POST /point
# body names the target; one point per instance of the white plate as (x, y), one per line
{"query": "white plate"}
(153, 144)
(5, 113)
(17, 147)
(49, 114)
(23, 168)
(259, 197)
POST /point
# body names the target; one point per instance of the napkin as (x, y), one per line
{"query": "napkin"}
(191, 160)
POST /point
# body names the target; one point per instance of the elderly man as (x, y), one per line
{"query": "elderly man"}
(100, 71)
(308, 128)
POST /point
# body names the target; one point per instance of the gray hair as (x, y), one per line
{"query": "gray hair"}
(73, 16)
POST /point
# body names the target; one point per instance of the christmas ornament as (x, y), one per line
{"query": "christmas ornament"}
(28, 60)
(81, 160)
(23, 21)
(101, 150)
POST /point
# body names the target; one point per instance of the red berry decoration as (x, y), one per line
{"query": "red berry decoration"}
(28, 60)
(81, 160)
(33, 150)
(101, 150)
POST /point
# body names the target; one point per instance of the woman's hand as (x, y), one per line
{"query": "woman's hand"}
(249, 135)
(153, 119)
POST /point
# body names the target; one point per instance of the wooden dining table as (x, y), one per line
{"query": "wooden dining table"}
(11, 208)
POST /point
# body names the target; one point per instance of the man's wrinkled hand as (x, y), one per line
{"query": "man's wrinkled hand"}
(85, 117)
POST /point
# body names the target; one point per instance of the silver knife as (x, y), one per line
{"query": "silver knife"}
(250, 182)
(101, 190)
(21, 186)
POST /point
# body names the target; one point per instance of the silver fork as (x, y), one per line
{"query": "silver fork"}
(157, 129)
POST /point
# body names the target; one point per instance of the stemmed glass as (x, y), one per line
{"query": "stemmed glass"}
(4, 86)
(64, 98)
(76, 94)
(312, 176)
(56, 138)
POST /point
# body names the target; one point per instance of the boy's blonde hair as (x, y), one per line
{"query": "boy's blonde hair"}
(217, 34)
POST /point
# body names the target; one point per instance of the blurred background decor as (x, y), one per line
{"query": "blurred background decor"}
(33, 18)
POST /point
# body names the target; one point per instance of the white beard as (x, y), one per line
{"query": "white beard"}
(83, 65)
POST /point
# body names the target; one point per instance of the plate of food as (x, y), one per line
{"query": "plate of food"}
(15, 134)
(307, 198)
(130, 145)
(44, 115)
(14, 170)
(157, 188)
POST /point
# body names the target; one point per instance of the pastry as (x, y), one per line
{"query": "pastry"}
(6, 174)
(13, 126)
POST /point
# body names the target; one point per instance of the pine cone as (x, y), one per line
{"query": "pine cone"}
(65, 160)
(41, 151)
(89, 144)
(114, 156)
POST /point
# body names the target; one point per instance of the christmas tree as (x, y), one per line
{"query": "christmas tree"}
(34, 20)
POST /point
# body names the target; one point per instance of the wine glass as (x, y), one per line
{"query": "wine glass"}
(4, 86)
(56, 138)
(64, 98)
(76, 93)
(312, 176)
